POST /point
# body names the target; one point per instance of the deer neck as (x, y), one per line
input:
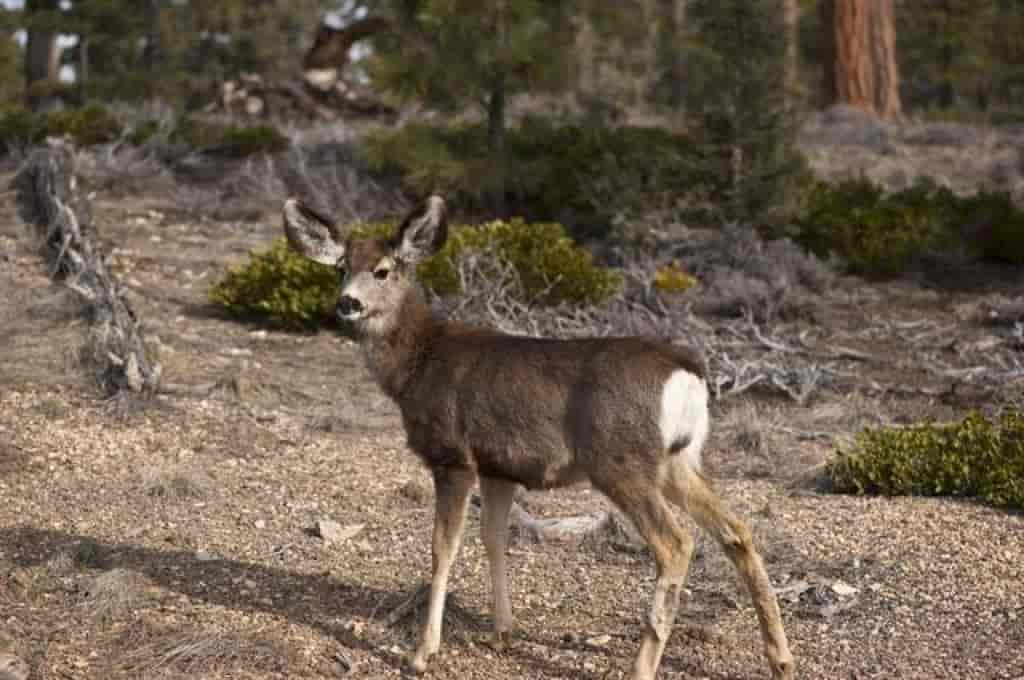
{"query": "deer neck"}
(394, 354)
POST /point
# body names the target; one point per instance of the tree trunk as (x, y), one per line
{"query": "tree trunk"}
(42, 56)
(860, 56)
(887, 102)
(496, 144)
(791, 17)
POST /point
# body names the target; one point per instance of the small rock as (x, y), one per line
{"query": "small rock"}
(260, 524)
(703, 633)
(12, 668)
(844, 589)
(416, 491)
(599, 640)
(333, 532)
(205, 556)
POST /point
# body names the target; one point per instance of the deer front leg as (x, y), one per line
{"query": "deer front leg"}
(497, 501)
(451, 488)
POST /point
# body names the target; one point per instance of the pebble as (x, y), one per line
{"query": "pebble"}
(844, 589)
(333, 532)
(13, 668)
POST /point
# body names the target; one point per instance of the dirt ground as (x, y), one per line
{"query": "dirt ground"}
(176, 540)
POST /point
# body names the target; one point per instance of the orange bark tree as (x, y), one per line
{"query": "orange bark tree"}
(860, 56)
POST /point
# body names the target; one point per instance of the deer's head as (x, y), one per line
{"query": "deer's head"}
(378, 275)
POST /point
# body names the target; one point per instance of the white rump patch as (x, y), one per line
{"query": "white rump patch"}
(684, 421)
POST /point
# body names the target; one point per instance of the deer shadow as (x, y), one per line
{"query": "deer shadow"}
(320, 601)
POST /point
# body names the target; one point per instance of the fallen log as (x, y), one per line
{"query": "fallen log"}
(50, 202)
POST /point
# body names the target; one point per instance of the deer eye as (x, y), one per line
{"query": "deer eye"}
(381, 273)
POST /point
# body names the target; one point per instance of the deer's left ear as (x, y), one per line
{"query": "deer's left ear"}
(312, 234)
(423, 232)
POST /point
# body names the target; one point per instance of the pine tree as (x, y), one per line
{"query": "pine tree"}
(737, 92)
(458, 54)
(949, 44)
(12, 69)
(41, 19)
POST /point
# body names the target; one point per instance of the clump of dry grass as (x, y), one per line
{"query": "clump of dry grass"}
(113, 593)
(175, 482)
(204, 652)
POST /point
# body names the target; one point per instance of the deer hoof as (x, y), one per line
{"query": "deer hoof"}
(418, 662)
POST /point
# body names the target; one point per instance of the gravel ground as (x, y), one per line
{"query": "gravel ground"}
(177, 540)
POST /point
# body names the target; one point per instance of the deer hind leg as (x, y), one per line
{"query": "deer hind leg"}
(672, 546)
(451, 487)
(688, 489)
(497, 501)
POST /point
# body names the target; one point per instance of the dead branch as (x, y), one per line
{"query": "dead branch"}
(49, 201)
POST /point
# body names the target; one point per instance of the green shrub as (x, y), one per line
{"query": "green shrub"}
(281, 286)
(581, 176)
(876, 233)
(19, 127)
(993, 227)
(229, 140)
(293, 292)
(880, 233)
(975, 457)
(551, 267)
(143, 132)
(672, 279)
(88, 126)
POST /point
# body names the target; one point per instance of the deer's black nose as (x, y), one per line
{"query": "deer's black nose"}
(348, 305)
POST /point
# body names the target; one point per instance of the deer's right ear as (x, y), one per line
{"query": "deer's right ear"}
(311, 234)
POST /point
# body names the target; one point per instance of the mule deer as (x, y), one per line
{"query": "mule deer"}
(626, 414)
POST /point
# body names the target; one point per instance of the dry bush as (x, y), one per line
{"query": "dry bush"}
(328, 175)
(332, 176)
(741, 274)
(742, 355)
(121, 168)
(848, 126)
